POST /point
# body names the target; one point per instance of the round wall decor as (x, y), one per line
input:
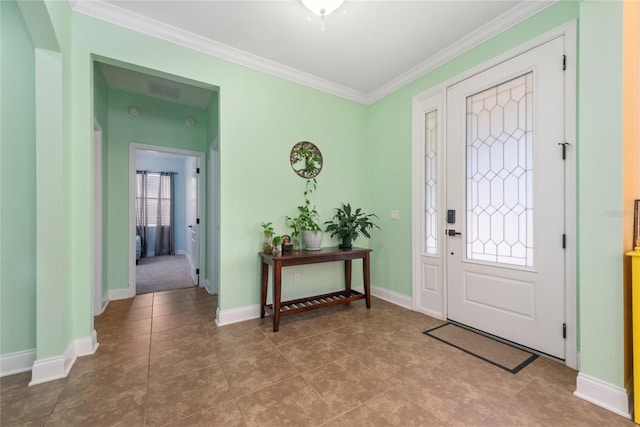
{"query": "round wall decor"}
(306, 159)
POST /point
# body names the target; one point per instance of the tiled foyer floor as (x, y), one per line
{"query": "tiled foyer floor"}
(162, 361)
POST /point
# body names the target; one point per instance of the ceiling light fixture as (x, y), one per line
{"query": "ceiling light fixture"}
(322, 8)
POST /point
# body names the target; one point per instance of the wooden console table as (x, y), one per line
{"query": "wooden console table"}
(284, 308)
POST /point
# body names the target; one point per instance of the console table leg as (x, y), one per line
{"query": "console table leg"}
(277, 294)
(347, 278)
(264, 280)
(366, 277)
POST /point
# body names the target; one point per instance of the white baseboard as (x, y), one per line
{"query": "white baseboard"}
(208, 288)
(124, 293)
(180, 252)
(57, 367)
(15, 363)
(235, 315)
(605, 395)
(103, 304)
(392, 297)
(240, 314)
(432, 313)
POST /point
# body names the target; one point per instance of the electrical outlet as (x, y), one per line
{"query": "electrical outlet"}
(296, 277)
(395, 215)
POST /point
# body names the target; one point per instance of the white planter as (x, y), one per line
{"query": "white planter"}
(312, 240)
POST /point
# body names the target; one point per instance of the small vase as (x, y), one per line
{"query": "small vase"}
(267, 246)
(295, 241)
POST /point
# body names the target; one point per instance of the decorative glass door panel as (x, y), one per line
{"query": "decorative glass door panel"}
(430, 183)
(499, 173)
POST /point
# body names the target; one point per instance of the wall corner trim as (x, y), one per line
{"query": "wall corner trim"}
(57, 367)
(605, 395)
(15, 363)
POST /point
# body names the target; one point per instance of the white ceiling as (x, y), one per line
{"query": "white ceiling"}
(369, 48)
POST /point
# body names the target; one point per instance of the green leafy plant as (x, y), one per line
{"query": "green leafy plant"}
(277, 240)
(308, 218)
(348, 224)
(267, 229)
(295, 224)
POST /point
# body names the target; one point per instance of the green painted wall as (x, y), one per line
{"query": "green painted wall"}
(261, 118)
(600, 191)
(54, 297)
(17, 183)
(160, 123)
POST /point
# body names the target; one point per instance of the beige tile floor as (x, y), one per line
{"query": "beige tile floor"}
(162, 361)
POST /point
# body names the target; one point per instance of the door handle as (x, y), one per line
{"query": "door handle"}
(453, 233)
(190, 226)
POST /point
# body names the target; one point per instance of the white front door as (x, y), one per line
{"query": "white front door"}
(194, 222)
(505, 182)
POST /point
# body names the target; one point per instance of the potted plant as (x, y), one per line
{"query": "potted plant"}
(308, 221)
(348, 224)
(267, 230)
(277, 244)
(296, 229)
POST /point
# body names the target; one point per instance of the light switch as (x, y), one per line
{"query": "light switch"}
(395, 215)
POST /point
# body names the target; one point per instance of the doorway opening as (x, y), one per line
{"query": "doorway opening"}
(168, 218)
(168, 229)
(150, 110)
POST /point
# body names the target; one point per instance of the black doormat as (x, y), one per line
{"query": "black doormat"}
(497, 353)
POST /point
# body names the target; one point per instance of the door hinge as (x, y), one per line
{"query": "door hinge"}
(564, 241)
(197, 220)
(197, 271)
(564, 330)
(197, 170)
(564, 149)
(564, 62)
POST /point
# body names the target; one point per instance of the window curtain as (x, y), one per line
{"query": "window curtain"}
(155, 208)
(164, 215)
(142, 208)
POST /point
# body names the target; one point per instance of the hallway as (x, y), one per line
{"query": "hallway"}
(162, 361)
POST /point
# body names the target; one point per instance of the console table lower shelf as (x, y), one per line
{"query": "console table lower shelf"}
(344, 296)
(313, 302)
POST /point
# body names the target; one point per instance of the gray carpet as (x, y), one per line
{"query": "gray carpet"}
(161, 273)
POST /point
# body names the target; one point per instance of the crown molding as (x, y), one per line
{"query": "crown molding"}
(116, 15)
(494, 27)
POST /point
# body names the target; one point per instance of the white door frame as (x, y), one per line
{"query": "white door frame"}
(569, 31)
(213, 266)
(202, 202)
(99, 298)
